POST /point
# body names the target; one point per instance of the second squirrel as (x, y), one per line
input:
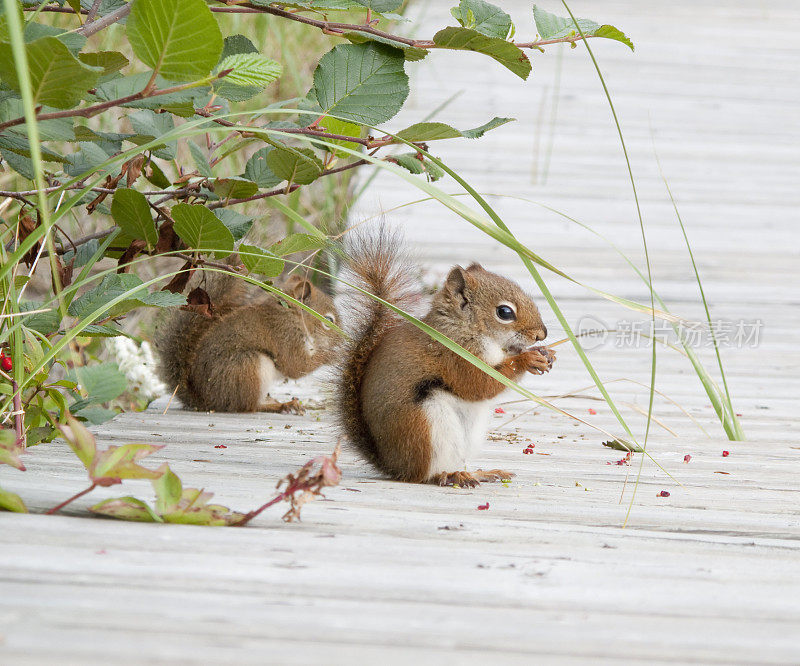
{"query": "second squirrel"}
(411, 406)
(229, 362)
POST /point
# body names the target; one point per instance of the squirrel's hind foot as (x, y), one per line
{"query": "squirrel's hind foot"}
(293, 406)
(490, 475)
(460, 479)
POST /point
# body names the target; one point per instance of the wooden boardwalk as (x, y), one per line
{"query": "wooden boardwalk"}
(390, 572)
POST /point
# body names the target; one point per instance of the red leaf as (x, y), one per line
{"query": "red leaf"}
(499, 410)
(483, 507)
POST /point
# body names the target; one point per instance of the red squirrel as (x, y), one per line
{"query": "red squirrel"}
(412, 407)
(229, 362)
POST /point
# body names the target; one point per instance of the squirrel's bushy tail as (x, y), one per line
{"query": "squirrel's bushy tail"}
(178, 331)
(376, 261)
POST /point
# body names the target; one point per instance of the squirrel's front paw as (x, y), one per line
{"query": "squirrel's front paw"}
(460, 479)
(538, 360)
(293, 406)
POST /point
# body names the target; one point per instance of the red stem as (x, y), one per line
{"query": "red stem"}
(83, 492)
(290, 490)
(19, 415)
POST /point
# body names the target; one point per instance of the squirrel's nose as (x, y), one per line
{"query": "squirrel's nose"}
(542, 333)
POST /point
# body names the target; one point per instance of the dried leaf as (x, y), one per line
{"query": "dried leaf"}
(199, 302)
(110, 183)
(27, 225)
(134, 249)
(179, 281)
(168, 240)
(310, 484)
(133, 169)
(64, 271)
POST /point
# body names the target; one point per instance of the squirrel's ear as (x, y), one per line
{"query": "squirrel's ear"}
(475, 267)
(300, 289)
(456, 285)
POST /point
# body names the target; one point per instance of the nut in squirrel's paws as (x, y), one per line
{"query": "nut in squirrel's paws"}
(539, 360)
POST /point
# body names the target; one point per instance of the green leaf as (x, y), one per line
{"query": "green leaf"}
(250, 69)
(57, 78)
(110, 61)
(79, 439)
(237, 223)
(169, 490)
(551, 26)
(131, 212)
(10, 450)
(201, 230)
(297, 243)
(149, 126)
(295, 165)
(17, 143)
(236, 44)
(120, 462)
(96, 415)
(73, 41)
(234, 188)
(179, 39)
(411, 53)
(88, 158)
(11, 502)
(57, 129)
(484, 17)
(260, 261)
(181, 103)
(257, 170)
(115, 285)
(126, 508)
(200, 160)
(436, 131)
(344, 128)
(464, 39)
(102, 382)
(380, 5)
(365, 83)
(411, 162)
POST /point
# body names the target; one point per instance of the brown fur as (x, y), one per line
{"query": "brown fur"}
(215, 362)
(379, 402)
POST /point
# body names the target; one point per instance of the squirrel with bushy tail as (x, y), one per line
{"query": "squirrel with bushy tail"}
(412, 407)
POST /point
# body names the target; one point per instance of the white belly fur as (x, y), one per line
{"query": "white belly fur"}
(268, 374)
(458, 430)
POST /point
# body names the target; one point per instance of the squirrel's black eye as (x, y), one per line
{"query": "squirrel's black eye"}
(331, 318)
(505, 313)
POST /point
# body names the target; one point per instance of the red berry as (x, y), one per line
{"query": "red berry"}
(483, 507)
(687, 458)
(220, 446)
(725, 454)
(592, 411)
(499, 410)
(6, 363)
(664, 493)
(529, 449)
